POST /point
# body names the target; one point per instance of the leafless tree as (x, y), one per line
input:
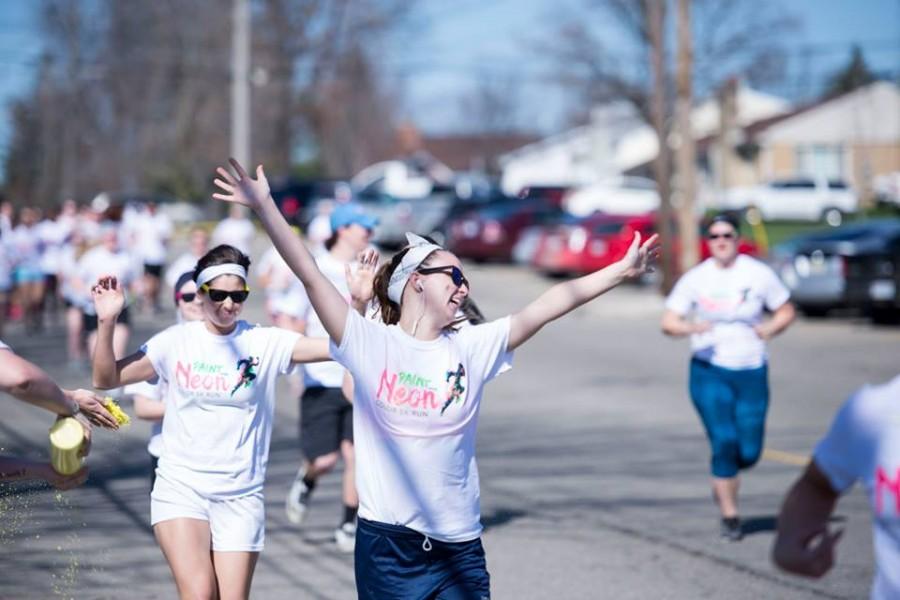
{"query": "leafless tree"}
(132, 95)
(743, 38)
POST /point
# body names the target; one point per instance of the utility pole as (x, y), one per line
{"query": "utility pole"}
(686, 161)
(240, 82)
(656, 17)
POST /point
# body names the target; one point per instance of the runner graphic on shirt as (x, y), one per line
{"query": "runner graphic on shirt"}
(457, 388)
(246, 375)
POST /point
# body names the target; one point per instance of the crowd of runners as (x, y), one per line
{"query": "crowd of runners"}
(394, 360)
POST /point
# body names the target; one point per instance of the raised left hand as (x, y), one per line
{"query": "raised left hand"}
(640, 256)
(361, 280)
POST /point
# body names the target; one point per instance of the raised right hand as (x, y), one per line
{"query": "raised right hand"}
(240, 188)
(109, 298)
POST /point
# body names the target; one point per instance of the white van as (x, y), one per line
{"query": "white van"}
(799, 199)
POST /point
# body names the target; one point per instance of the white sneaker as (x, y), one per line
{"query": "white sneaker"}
(297, 500)
(345, 537)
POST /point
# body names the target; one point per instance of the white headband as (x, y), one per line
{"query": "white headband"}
(419, 250)
(210, 273)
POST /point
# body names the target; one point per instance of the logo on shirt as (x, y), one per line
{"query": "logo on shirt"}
(887, 486)
(454, 394)
(246, 374)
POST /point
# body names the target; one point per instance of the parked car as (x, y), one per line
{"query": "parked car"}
(396, 216)
(586, 245)
(887, 188)
(799, 199)
(816, 267)
(873, 278)
(622, 195)
(491, 232)
(298, 199)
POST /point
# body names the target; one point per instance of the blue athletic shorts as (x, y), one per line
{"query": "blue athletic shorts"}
(397, 563)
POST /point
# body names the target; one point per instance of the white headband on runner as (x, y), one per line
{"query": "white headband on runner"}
(419, 250)
(210, 273)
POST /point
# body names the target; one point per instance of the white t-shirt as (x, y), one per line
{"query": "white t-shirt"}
(864, 444)
(52, 235)
(732, 300)
(155, 391)
(323, 374)
(220, 402)
(25, 245)
(415, 415)
(151, 234)
(184, 263)
(234, 232)
(97, 262)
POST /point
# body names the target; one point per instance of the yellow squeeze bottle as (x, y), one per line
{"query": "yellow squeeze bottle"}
(116, 411)
(66, 437)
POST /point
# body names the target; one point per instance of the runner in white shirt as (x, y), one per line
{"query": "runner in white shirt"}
(326, 416)
(207, 506)
(729, 385)
(25, 247)
(52, 234)
(151, 238)
(198, 245)
(235, 230)
(107, 258)
(862, 445)
(417, 390)
(149, 396)
(75, 295)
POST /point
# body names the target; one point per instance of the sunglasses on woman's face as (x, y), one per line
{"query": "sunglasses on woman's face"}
(187, 297)
(455, 274)
(724, 236)
(220, 295)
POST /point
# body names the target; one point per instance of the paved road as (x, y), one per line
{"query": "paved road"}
(593, 468)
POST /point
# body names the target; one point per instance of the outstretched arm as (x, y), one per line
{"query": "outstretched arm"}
(565, 297)
(803, 544)
(325, 298)
(108, 373)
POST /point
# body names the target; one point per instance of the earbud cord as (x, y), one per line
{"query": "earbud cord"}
(421, 314)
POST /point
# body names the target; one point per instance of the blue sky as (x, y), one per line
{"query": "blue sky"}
(451, 45)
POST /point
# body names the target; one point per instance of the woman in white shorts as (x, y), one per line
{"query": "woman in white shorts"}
(207, 507)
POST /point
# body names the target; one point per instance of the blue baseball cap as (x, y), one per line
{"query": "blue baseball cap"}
(347, 214)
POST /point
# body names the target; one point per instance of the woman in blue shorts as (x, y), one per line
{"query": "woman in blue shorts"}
(418, 381)
(720, 304)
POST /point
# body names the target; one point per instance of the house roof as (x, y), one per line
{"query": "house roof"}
(464, 152)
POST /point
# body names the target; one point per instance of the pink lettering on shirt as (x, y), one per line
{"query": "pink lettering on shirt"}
(186, 379)
(404, 389)
(884, 484)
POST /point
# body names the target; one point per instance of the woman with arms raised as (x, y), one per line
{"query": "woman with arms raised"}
(418, 386)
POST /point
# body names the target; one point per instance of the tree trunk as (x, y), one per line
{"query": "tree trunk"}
(687, 183)
(656, 16)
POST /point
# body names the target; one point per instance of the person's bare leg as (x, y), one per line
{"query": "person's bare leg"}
(349, 478)
(73, 334)
(234, 573)
(186, 545)
(321, 465)
(725, 491)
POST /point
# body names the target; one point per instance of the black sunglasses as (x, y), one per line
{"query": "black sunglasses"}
(187, 296)
(724, 236)
(220, 295)
(456, 275)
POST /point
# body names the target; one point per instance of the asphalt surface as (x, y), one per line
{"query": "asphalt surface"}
(593, 468)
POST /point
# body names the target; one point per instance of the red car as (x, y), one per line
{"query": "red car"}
(598, 241)
(489, 233)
